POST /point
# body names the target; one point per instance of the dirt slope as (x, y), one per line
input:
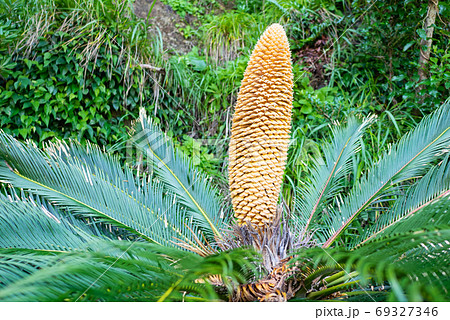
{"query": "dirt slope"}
(164, 18)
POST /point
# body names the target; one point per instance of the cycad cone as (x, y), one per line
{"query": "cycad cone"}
(261, 129)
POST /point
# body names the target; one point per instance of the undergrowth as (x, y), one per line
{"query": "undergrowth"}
(77, 69)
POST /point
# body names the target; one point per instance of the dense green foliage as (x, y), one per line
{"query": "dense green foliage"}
(55, 95)
(72, 79)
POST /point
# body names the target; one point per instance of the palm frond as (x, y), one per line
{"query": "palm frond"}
(416, 264)
(417, 208)
(118, 271)
(66, 276)
(31, 224)
(327, 174)
(407, 159)
(191, 187)
(92, 184)
(16, 264)
(432, 213)
(418, 259)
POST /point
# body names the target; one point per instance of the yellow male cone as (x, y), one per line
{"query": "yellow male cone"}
(261, 129)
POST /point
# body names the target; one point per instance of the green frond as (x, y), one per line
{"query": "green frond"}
(118, 271)
(432, 213)
(424, 204)
(416, 264)
(411, 262)
(17, 264)
(326, 176)
(90, 183)
(191, 187)
(349, 285)
(67, 276)
(409, 158)
(31, 224)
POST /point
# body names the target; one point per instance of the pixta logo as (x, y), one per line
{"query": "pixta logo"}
(147, 147)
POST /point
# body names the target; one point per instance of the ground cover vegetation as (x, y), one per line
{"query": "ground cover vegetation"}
(365, 193)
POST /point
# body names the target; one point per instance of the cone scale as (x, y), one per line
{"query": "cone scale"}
(261, 130)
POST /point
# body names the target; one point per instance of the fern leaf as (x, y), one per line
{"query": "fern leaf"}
(409, 158)
(31, 224)
(433, 186)
(116, 271)
(327, 173)
(190, 186)
(92, 184)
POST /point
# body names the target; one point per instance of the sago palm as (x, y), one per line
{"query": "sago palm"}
(77, 225)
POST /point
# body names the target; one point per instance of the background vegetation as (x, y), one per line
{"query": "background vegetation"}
(72, 69)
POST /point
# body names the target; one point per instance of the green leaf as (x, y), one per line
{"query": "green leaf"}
(405, 160)
(176, 171)
(198, 63)
(326, 175)
(417, 263)
(306, 109)
(92, 184)
(408, 45)
(118, 271)
(29, 223)
(418, 208)
(422, 34)
(23, 132)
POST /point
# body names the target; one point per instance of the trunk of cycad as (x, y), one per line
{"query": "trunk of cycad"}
(260, 131)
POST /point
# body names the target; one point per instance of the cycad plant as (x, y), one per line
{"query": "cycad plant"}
(78, 225)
